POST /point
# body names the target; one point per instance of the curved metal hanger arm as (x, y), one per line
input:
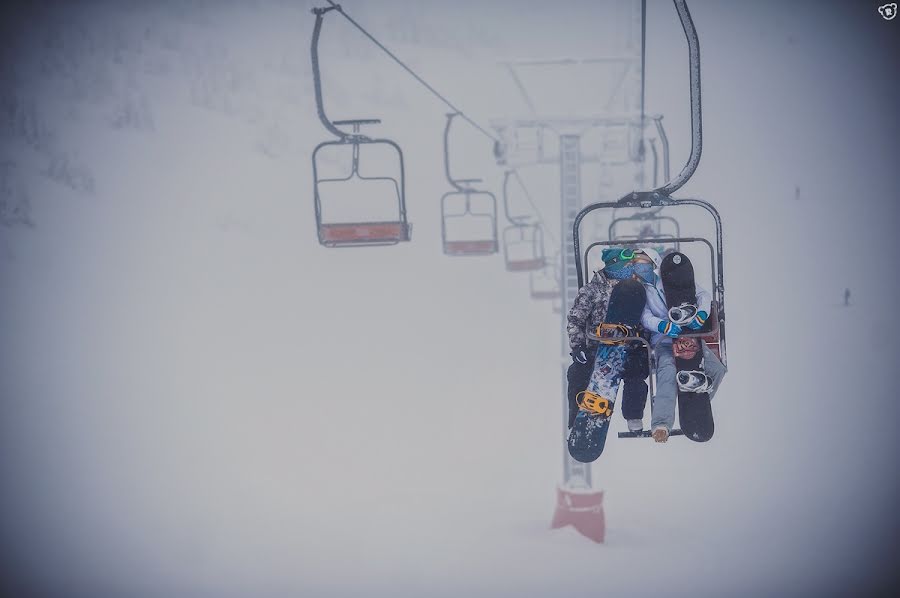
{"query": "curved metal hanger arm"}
(317, 76)
(461, 185)
(690, 33)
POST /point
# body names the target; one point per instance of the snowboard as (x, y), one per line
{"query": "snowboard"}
(587, 436)
(694, 409)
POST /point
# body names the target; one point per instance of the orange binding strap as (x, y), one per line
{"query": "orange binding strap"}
(588, 401)
(611, 334)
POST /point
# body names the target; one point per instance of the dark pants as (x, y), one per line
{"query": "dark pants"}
(634, 392)
(634, 385)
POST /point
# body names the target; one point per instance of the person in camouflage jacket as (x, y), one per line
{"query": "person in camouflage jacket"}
(587, 313)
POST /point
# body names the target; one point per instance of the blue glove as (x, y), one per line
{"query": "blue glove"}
(698, 321)
(669, 328)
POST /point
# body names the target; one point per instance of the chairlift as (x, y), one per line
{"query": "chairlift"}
(466, 209)
(523, 242)
(544, 284)
(362, 231)
(713, 330)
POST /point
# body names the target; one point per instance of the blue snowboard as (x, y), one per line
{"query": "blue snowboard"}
(587, 438)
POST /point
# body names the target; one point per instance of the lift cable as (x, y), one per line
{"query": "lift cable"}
(411, 72)
(534, 207)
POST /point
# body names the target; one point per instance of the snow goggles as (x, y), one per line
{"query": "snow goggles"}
(624, 256)
(628, 254)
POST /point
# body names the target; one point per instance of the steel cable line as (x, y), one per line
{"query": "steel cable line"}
(435, 92)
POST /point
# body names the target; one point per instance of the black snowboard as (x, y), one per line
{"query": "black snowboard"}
(694, 408)
(587, 436)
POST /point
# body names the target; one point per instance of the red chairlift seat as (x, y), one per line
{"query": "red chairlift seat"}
(361, 233)
(354, 233)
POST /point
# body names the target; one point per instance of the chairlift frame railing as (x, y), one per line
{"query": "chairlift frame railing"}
(639, 217)
(654, 199)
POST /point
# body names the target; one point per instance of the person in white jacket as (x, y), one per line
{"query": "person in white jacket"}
(655, 319)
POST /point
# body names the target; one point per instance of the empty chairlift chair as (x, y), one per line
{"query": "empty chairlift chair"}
(374, 205)
(544, 284)
(468, 215)
(523, 242)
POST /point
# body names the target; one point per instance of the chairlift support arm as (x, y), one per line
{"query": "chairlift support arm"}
(317, 75)
(461, 185)
(693, 42)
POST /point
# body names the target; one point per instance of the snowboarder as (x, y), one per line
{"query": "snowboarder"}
(846, 297)
(589, 309)
(656, 320)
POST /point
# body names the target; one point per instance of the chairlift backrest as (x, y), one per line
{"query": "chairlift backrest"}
(468, 215)
(523, 241)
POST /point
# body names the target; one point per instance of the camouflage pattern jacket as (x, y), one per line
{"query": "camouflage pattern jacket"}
(589, 309)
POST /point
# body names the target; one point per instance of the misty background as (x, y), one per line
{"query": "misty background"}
(200, 400)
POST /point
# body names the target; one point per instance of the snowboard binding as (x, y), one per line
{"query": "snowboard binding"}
(613, 334)
(682, 314)
(693, 381)
(594, 403)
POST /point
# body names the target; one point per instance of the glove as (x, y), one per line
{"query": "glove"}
(669, 328)
(698, 321)
(580, 354)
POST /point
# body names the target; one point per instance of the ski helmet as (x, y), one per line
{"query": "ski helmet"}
(653, 255)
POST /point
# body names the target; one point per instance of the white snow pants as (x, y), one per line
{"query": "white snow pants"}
(662, 405)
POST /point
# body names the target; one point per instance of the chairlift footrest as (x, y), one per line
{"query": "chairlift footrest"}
(359, 121)
(647, 434)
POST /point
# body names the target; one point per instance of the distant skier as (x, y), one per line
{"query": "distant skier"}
(587, 313)
(656, 320)
(846, 297)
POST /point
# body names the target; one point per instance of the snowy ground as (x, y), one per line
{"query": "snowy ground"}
(199, 400)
